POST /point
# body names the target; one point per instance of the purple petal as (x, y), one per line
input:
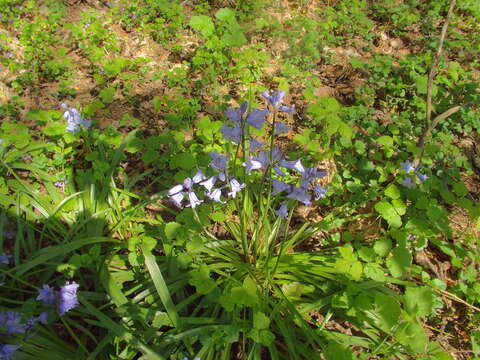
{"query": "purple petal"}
(219, 162)
(67, 297)
(407, 182)
(198, 177)
(293, 165)
(5, 259)
(7, 350)
(256, 118)
(255, 145)
(194, 201)
(215, 195)
(311, 174)
(47, 294)
(10, 320)
(278, 171)
(233, 134)
(319, 191)
(282, 211)
(187, 183)
(177, 199)
(275, 99)
(287, 109)
(279, 186)
(252, 164)
(175, 190)
(421, 177)
(236, 187)
(407, 166)
(209, 183)
(301, 195)
(42, 318)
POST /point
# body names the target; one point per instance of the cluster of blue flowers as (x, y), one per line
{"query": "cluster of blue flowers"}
(74, 120)
(65, 299)
(11, 321)
(412, 172)
(235, 131)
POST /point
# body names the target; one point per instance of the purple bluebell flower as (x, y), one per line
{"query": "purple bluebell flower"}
(236, 114)
(408, 167)
(256, 118)
(320, 191)
(281, 128)
(282, 211)
(60, 184)
(42, 318)
(219, 162)
(177, 198)
(7, 350)
(279, 186)
(27, 157)
(47, 294)
(209, 183)
(215, 195)
(293, 165)
(408, 182)
(10, 321)
(252, 164)
(198, 177)
(74, 121)
(236, 187)
(275, 99)
(300, 194)
(5, 259)
(232, 133)
(311, 174)
(194, 201)
(255, 145)
(421, 177)
(67, 297)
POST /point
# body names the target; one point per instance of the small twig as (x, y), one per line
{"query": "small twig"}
(457, 299)
(436, 59)
(430, 125)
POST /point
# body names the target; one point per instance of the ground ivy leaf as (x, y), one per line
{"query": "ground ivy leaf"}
(392, 191)
(382, 247)
(388, 310)
(260, 321)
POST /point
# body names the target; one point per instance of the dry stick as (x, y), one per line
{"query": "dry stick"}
(431, 77)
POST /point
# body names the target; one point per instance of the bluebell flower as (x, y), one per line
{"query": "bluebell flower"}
(311, 174)
(219, 162)
(7, 350)
(5, 259)
(287, 109)
(275, 99)
(67, 297)
(408, 167)
(408, 182)
(282, 211)
(256, 118)
(236, 187)
(293, 165)
(281, 128)
(319, 191)
(176, 194)
(209, 183)
(252, 164)
(255, 145)
(236, 114)
(42, 318)
(215, 195)
(47, 294)
(10, 321)
(194, 200)
(232, 133)
(74, 120)
(27, 157)
(421, 177)
(279, 186)
(300, 194)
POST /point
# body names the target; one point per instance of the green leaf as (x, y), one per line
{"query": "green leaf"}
(226, 15)
(411, 334)
(107, 95)
(392, 191)
(234, 37)
(200, 278)
(382, 247)
(388, 212)
(400, 262)
(419, 300)
(54, 129)
(260, 321)
(150, 156)
(460, 189)
(171, 230)
(385, 141)
(202, 23)
(387, 310)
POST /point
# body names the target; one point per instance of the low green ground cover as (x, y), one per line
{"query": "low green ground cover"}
(239, 180)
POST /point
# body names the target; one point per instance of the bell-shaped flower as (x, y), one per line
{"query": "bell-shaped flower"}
(408, 182)
(311, 174)
(293, 165)
(67, 297)
(408, 167)
(236, 187)
(47, 294)
(194, 201)
(300, 194)
(282, 211)
(232, 133)
(287, 109)
(209, 183)
(256, 118)
(177, 198)
(421, 177)
(319, 191)
(236, 114)
(255, 145)
(11, 322)
(279, 186)
(215, 195)
(252, 164)
(5, 259)
(275, 99)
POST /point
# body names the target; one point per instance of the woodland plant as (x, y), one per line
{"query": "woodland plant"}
(254, 281)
